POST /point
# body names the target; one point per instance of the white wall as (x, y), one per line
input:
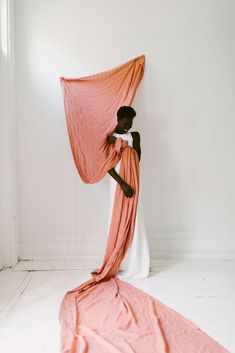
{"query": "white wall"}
(8, 148)
(185, 113)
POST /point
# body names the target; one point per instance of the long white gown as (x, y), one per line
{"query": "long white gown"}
(136, 263)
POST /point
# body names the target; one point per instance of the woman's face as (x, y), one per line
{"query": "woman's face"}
(125, 124)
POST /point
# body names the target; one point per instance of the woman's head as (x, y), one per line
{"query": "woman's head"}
(125, 117)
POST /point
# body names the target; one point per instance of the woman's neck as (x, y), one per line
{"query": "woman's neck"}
(119, 131)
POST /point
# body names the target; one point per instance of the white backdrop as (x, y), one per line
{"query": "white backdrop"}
(185, 114)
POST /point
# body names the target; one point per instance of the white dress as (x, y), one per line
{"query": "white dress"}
(136, 263)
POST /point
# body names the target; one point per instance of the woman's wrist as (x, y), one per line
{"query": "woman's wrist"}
(122, 183)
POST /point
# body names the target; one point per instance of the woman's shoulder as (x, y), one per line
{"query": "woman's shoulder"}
(135, 132)
(135, 135)
(136, 139)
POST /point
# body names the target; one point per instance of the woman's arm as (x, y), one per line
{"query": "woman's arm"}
(127, 189)
(116, 176)
(136, 142)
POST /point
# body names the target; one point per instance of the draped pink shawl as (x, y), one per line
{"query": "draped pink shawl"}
(105, 314)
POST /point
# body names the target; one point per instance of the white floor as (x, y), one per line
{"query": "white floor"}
(201, 290)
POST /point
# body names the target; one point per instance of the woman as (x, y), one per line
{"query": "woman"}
(136, 262)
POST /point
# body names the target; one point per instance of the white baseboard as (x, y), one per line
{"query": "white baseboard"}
(87, 250)
(89, 263)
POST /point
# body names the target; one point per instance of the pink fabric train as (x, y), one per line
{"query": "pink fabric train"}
(105, 314)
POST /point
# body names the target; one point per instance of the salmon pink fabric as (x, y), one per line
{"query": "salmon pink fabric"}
(105, 314)
(91, 104)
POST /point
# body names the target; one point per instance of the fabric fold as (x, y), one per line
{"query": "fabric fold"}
(91, 103)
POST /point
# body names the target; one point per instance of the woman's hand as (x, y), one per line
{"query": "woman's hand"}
(111, 138)
(127, 189)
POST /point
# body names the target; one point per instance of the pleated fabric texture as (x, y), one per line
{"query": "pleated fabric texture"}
(105, 314)
(91, 104)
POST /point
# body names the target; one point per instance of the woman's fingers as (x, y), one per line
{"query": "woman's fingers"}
(111, 138)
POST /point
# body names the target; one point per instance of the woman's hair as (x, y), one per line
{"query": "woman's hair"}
(126, 111)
